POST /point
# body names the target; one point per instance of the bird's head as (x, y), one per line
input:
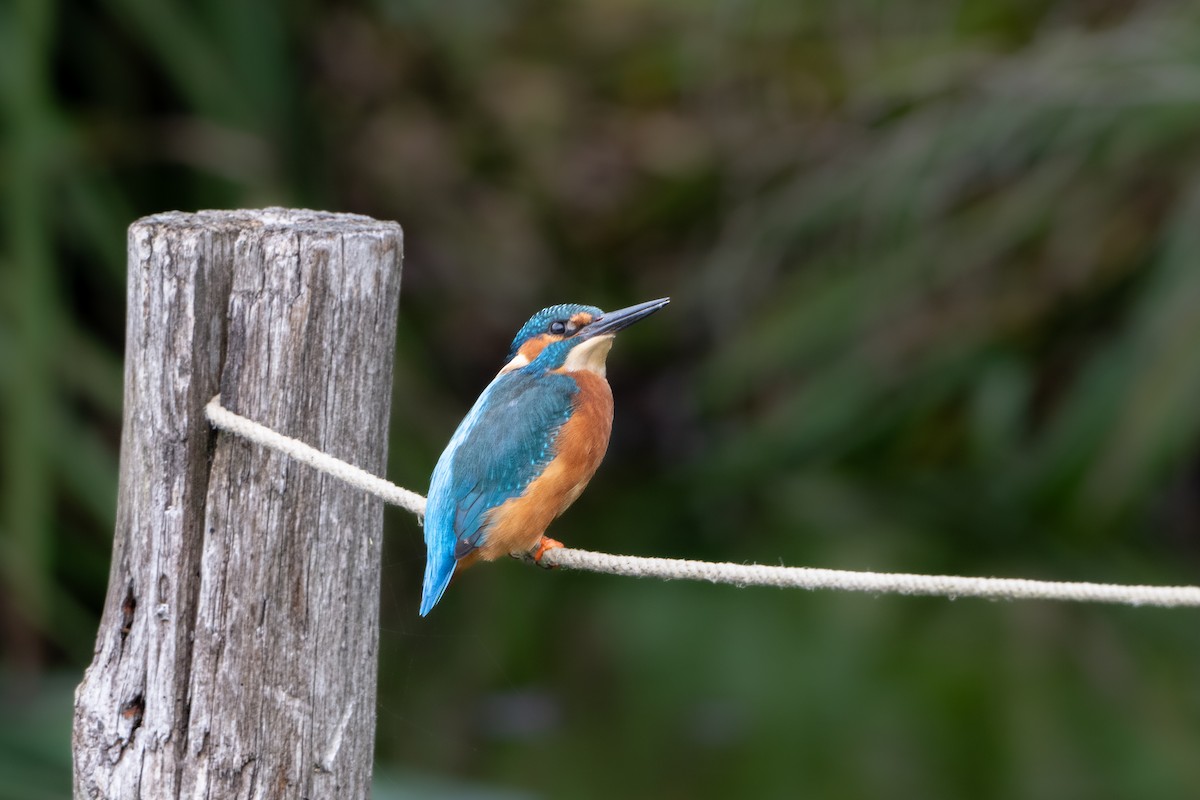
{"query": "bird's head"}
(573, 336)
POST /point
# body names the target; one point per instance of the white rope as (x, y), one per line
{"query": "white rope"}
(226, 420)
(735, 574)
(875, 582)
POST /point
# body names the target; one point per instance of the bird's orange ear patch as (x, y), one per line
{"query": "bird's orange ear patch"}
(533, 348)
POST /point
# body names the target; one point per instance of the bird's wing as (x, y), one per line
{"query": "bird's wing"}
(500, 448)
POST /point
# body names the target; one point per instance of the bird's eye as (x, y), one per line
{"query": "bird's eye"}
(558, 327)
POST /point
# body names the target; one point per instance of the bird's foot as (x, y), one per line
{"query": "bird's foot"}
(534, 556)
(544, 544)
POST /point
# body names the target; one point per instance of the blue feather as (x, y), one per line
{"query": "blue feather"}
(502, 445)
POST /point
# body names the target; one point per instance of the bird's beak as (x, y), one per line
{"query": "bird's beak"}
(613, 321)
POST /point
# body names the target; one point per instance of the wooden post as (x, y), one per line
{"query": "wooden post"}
(236, 655)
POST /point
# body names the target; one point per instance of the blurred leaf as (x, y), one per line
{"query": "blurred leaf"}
(35, 754)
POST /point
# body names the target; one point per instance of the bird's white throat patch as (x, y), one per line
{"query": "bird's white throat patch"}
(518, 362)
(589, 356)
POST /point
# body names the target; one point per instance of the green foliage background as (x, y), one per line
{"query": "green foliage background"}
(936, 309)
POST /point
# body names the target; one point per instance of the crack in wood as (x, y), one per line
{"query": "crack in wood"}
(128, 607)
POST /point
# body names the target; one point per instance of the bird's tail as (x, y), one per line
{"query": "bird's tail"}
(439, 568)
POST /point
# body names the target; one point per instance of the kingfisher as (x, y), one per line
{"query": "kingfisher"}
(528, 447)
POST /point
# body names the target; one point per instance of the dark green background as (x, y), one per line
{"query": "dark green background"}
(936, 308)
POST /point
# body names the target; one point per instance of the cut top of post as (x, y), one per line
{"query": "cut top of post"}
(299, 220)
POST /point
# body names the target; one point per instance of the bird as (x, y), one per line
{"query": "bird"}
(528, 447)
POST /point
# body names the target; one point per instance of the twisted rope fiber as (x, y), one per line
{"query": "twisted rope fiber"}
(727, 573)
(226, 420)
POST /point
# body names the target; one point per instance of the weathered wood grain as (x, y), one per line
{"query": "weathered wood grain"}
(236, 655)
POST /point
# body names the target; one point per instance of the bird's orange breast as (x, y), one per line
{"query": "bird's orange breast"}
(517, 525)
